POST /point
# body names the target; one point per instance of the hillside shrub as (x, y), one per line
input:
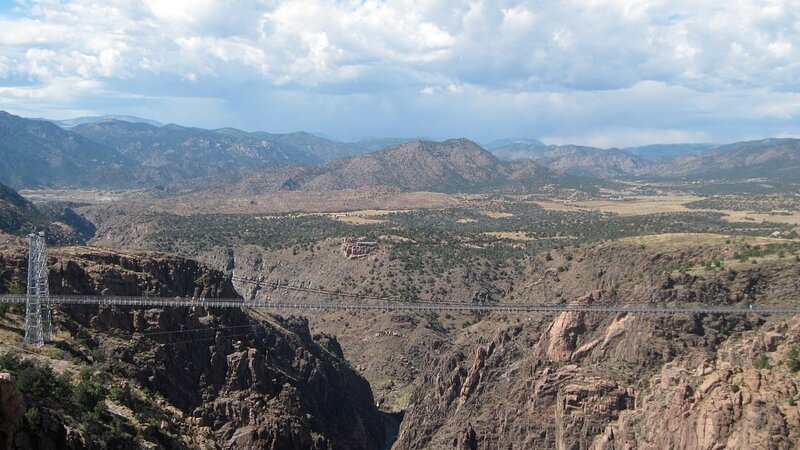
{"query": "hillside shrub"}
(34, 379)
(89, 393)
(762, 362)
(793, 360)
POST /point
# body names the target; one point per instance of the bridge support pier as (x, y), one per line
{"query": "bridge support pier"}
(38, 324)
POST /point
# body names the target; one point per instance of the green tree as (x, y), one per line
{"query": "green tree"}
(89, 393)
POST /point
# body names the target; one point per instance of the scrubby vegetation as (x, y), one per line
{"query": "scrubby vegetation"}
(440, 245)
(545, 229)
(754, 203)
(210, 230)
(747, 251)
(793, 360)
(78, 400)
(37, 380)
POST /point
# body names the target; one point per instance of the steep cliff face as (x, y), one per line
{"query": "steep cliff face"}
(240, 380)
(251, 383)
(725, 401)
(622, 382)
(510, 394)
(83, 270)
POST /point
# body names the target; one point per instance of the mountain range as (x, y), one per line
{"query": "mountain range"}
(173, 153)
(456, 165)
(39, 153)
(112, 152)
(770, 158)
(575, 159)
(70, 123)
(767, 158)
(109, 152)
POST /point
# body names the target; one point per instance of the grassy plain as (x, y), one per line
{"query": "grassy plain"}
(643, 205)
(511, 235)
(497, 214)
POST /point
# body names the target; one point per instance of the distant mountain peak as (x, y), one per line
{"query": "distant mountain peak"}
(514, 141)
(72, 123)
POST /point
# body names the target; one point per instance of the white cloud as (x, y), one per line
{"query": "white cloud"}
(60, 90)
(312, 41)
(592, 60)
(629, 137)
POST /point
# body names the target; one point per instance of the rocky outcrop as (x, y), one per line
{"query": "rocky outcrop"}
(475, 373)
(255, 384)
(502, 402)
(468, 440)
(565, 330)
(353, 249)
(86, 270)
(585, 405)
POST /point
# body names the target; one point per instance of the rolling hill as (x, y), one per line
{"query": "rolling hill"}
(71, 123)
(322, 149)
(17, 215)
(666, 152)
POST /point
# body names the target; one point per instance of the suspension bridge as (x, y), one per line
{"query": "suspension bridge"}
(38, 324)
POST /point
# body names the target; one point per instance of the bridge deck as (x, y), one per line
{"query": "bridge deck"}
(351, 304)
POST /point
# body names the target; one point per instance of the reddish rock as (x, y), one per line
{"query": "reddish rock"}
(352, 249)
(475, 373)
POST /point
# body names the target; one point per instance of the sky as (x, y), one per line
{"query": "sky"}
(593, 72)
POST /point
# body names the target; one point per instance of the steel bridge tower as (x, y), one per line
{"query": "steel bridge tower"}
(38, 324)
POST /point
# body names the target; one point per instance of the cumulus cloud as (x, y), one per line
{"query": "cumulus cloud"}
(583, 69)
